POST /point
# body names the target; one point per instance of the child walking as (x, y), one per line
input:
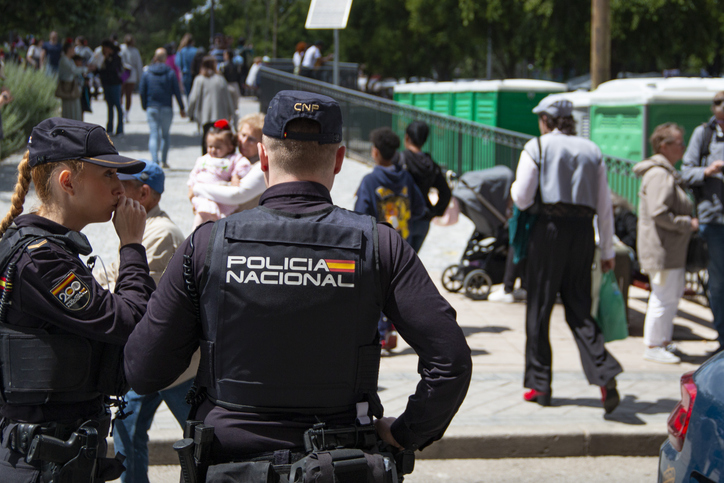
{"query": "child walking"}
(220, 165)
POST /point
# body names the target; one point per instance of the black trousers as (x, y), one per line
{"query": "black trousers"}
(560, 255)
(513, 271)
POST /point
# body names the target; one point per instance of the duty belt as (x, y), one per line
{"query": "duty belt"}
(353, 451)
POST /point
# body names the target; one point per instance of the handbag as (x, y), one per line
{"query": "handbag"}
(125, 73)
(611, 309)
(68, 90)
(521, 224)
(697, 253)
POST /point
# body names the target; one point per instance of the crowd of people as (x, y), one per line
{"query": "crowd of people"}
(297, 264)
(116, 69)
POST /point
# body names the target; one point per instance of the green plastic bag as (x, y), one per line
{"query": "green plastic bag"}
(611, 309)
(520, 226)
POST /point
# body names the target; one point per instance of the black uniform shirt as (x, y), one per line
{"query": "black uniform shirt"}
(103, 316)
(161, 346)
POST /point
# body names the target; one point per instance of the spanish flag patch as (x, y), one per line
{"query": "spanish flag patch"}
(340, 265)
(72, 292)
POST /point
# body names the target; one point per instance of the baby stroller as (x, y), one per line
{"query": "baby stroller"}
(483, 197)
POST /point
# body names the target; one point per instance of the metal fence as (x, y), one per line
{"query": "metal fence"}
(456, 144)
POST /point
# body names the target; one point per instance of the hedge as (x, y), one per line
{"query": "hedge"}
(33, 100)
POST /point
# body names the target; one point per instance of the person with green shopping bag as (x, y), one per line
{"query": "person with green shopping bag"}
(567, 177)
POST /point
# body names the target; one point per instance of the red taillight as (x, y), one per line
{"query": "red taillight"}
(678, 422)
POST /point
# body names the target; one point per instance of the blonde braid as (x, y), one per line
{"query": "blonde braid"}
(21, 190)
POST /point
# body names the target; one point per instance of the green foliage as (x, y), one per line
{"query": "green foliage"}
(33, 100)
(65, 16)
(652, 35)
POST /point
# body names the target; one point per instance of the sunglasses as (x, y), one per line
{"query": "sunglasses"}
(717, 102)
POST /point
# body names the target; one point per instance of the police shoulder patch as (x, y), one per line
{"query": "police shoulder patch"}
(72, 292)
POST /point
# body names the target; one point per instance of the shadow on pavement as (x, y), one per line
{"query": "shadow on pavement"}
(682, 332)
(627, 412)
(468, 331)
(694, 359)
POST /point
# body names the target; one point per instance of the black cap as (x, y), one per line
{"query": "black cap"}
(289, 105)
(58, 139)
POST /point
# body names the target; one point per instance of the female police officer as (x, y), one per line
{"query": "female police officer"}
(62, 334)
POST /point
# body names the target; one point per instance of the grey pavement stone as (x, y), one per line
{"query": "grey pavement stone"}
(494, 421)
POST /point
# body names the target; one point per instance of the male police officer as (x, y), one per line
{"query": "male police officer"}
(290, 294)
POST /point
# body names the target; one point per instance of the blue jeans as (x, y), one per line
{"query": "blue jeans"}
(713, 234)
(188, 82)
(418, 232)
(112, 94)
(130, 435)
(159, 124)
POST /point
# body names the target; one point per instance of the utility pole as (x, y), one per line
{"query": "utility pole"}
(489, 59)
(600, 42)
(211, 23)
(275, 6)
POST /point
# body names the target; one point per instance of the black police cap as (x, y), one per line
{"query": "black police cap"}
(289, 105)
(58, 139)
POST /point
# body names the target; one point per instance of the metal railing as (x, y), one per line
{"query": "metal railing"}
(456, 144)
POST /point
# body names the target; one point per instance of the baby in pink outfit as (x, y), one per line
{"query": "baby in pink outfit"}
(220, 165)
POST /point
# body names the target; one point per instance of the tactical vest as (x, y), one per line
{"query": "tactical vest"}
(289, 311)
(42, 365)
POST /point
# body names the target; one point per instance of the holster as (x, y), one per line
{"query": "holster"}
(194, 451)
(75, 460)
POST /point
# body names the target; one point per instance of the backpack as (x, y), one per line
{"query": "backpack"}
(705, 142)
(424, 174)
(394, 209)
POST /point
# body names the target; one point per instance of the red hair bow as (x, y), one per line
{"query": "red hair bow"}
(222, 124)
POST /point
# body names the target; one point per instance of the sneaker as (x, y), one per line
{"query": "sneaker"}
(520, 294)
(542, 398)
(609, 396)
(672, 347)
(661, 355)
(501, 296)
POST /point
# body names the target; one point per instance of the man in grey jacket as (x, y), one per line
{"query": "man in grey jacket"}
(702, 170)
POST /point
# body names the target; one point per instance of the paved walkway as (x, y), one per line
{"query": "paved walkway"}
(494, 421)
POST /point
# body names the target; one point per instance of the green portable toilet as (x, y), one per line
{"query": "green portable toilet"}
(506, 104)
(418, 94)
(624, 112)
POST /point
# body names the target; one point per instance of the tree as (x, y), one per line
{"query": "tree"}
(64, 16)
(652, 35)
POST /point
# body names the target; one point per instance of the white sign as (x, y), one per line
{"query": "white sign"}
(328, 14)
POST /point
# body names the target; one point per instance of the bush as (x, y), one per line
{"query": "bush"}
(33, 100)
